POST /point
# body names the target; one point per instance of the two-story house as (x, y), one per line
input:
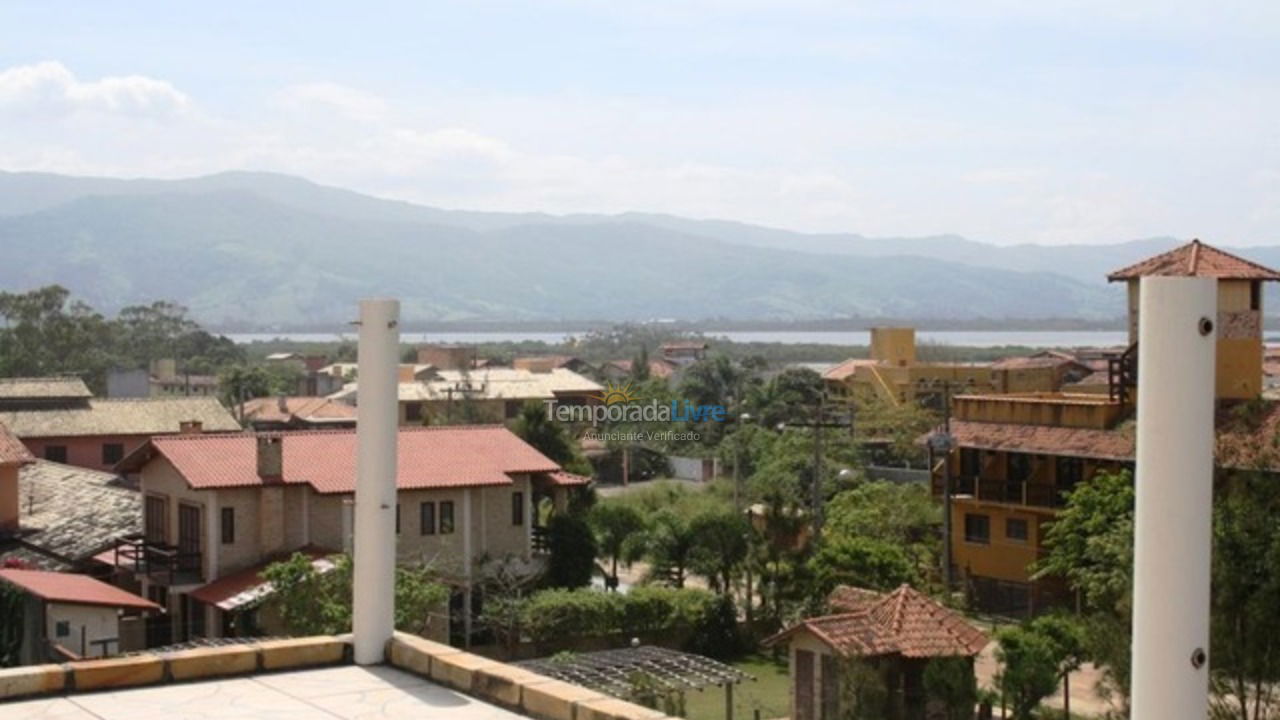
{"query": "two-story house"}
(218, 508)
(1016, 455)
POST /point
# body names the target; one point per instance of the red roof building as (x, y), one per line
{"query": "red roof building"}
(72, 589)
(1196, 259)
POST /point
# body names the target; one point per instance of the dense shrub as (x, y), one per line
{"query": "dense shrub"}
(552, 614)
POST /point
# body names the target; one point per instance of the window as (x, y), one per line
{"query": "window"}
(55, 453)
(228, 525)
(970, 463)
(427, 518)
(155, 520)
(1070, 471)
(977, 528)
(397, 518)
(1015, 529)
(62, 628)
(413, 412)
(517, 508)
(446, 517)
(112, 453)
(1019, 467)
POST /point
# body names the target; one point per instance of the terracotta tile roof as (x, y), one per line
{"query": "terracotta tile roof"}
(1049, 358)
(658, 367)
(561, 478)
(1115, 444)
(429, 457)
(847, 599)
(247, 586)
(74, 589)
(119, 416)
(846, 369)
(12, 451)
(44, 388)
(307, 409)
(1196, 259)
(903, 622)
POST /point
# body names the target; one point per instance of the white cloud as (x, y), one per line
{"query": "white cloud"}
(50, 88)
(346, 101)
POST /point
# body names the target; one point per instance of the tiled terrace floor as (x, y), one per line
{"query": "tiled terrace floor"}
(348, 692)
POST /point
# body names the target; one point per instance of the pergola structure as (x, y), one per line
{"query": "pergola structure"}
(614, 672)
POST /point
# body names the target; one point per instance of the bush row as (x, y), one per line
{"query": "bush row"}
(552, 614)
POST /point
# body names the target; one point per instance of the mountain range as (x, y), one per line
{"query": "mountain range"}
(267, 251)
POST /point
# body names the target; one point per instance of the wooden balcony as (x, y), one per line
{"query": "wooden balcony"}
(1010, 492)
(161, 563)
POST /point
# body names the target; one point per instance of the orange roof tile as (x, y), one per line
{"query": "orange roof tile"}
(1196, 259)
(12, 451)
(846, 369)
(247, 586)
(313, 409)
(1115, 444)
(847, 599)
(561, 478)
(903, 622)
(428, 457)
(74, 589)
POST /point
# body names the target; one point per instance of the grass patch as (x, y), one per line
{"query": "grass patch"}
(769, 693)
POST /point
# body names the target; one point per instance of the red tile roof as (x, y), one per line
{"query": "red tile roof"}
(904, 622)
(246, 586)
(428, 457)
(74, 589)
(312, 409)
(1195, 259)
(561, 478)
(1115, 444)
(846, 369)
(12, 451)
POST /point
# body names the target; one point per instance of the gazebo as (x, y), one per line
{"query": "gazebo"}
(634, 672)
(895, 633)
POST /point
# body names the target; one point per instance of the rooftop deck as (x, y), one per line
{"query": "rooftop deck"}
(346, 691)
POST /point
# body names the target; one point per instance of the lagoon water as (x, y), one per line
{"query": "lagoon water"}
(966, 338)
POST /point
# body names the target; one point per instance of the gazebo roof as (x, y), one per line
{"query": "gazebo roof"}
(612, 671)
(903, 622)
(1196, 259)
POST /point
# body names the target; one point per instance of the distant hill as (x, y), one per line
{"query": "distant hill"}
(272, 250)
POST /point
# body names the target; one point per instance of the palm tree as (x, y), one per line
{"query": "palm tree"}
(619, 529)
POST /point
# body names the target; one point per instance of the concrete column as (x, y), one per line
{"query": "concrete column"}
(373, 604)
(1173, 521)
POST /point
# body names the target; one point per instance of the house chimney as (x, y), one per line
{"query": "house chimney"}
(10, 512)
(270, 457)
(190, 427)
(1173, 514)
(373, 594)
(282, 404)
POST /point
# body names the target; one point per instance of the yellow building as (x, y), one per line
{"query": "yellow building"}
(895, 375)
(1016, 454)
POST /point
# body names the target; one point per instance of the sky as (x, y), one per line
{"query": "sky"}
(1004, 121)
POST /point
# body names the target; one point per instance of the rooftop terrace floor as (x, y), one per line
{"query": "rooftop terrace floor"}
(348, 692)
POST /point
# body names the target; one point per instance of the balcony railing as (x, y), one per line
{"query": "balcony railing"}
(540, 540)
(162, 563)
(1014, 492)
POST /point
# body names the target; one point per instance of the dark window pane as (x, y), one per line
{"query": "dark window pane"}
(446, 517)
(228, 525)
(977, 528)
(112, 453)
(427, 518)
(1015, 529)
(517, 508)
(55, 453)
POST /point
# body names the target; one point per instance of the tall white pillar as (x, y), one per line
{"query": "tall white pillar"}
(373, 604)
(1173, 521)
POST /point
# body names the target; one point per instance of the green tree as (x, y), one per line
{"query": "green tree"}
(720, 548)
(715, 633)
(669, 543)
(548, 437)
(1090, 544)
(618, 530)
(315, 601)
(951, 682)
(1067, 636)
(13, 603)
(1029, 669)
(572, 548)
(861, 562)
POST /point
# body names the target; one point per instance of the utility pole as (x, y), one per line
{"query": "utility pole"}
(943, 443)
(820, 421)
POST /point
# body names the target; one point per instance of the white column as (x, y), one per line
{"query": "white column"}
(373, 604)
(1172, 533)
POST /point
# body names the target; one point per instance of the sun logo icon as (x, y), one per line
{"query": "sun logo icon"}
(616, 394)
